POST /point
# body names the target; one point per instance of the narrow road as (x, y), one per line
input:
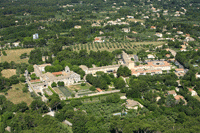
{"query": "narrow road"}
(173, 52)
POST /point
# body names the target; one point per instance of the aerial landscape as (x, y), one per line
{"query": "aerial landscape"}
(100, 66)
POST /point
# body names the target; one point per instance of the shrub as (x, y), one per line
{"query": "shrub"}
(4, 53)
(53, 84)
(75, 103)
(83, 84)
(40, 93)
(60, 83)
(72, 95)
(25, 90)
(92, 88)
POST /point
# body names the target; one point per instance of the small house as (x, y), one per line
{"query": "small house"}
(150, 56)
(131, 104)
(167, 55)
(193, 92)
(98, 89)
(153, 27)
(172, 92)
(77, 27)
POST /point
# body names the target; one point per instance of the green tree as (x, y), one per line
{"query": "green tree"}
(25, 89)
(92, 88)
(119, 83)
(22, 107)
(79, 123)
(53, 84)
(170, 101)
(30, 68)
(54, 101)
(35, 56)
(61, 83)
(39, 105)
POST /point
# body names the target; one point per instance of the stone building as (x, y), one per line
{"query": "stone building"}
(46, 79)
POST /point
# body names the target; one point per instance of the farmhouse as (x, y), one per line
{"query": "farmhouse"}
(131, 104)
(178, 98)
(159, 34)
(193, 92)
(150, 56)
(99, 39)
(153, 27)
(130, 17)
(77, 27)
(172, 92)
(126, 30)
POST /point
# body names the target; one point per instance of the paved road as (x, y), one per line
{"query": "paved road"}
(99, 93)
(136, 58)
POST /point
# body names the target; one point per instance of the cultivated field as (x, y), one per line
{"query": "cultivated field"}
(65, 91)
(14, 55)
(17, 96)
(7, 73)
(133, 46)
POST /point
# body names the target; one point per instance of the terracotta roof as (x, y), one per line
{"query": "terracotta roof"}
(180, 69)
(57, 73)
(37, 80)
(183, 46)
(167, 55)
(99, 90)
(177, 97)
(153, 27)
(190, 89)
(187, 34)
(172, 92)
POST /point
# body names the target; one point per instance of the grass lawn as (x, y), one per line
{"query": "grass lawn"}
(7, 73)
(14, 55)
(79, 87)
(17, 96)
(68, 127)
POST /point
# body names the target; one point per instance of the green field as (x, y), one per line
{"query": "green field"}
(65, 91)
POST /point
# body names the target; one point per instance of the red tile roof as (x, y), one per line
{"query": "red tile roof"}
(37, 80)
(57, 73)
(190, 89)
(179, 69)
(177, 97)
(167, 55)
(99, 90)
(172, 92)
